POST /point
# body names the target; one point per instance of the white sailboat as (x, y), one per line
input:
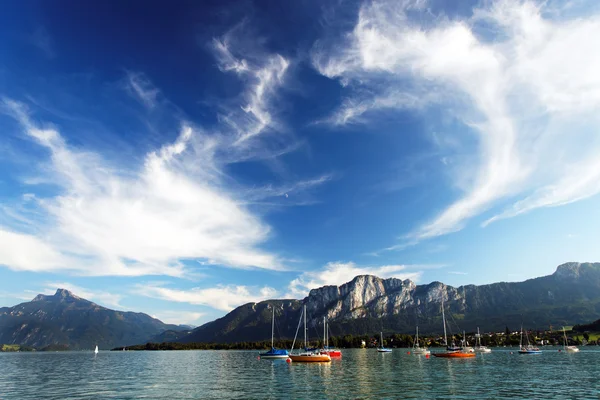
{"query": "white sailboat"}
(569, 349)
(380, 348)
(419, 350)
(479, 348)
(96, 350)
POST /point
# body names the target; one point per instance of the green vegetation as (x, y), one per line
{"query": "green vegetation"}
(14, 348)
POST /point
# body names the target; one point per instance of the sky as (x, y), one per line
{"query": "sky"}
(184, 158)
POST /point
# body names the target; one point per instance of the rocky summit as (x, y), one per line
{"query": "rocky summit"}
(368, 304)
(75, 323)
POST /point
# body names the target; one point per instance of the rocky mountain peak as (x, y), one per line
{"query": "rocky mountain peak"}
(61, 295)
(576, 270)
(65, 294)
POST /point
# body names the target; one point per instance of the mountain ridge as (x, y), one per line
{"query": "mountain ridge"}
(67, 319)
(367, 304)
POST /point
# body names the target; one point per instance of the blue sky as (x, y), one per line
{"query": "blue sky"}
(183, 159)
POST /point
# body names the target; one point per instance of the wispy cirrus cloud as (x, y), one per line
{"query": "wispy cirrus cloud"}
(148, 219)
(338, 273)
(517, 74)
(41, 39)
(140, 88)
(223, 297)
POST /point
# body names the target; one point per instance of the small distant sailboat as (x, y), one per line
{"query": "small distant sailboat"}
(569, 349)
(380, 348)
(451, 351)
(330, 351)
(528, 348)
(274, 353)
(307, 355)
(479, 348)
(419, 350)
(96, 350)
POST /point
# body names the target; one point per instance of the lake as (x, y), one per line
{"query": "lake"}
(360, 374)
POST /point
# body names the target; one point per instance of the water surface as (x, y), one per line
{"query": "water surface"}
(360, 374)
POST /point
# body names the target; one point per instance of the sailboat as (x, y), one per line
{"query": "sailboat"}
(527, 349)
(330, 351)
(419, 350)
(451, 352)
(569, 349)
(274, 353)
(479, 348)
(307, 356)
(96, 350)
(380, 348)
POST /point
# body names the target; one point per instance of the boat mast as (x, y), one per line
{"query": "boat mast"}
(305, 342)
(417, 338)
(324, 331)
(273, 328)
(444, 319)
(521, 341)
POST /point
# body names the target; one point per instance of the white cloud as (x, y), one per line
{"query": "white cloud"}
(224, 297)
(522, 80)
(338, 273)
(109, 224)
(103, 298)
(180, 317)
(140, 87)
(264, 76)
(179, 204)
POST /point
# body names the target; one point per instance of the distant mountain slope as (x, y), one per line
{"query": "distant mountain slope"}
(66, 319)
(368, 304)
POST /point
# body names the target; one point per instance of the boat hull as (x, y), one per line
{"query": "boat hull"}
(273, 356)
(530, 352)
(483, 350)
(333, 353)
(572, 349)
(421, 351)
(310, 358)
(384, 350)
(454, 355)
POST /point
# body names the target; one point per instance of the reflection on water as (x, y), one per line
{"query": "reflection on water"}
(360, 374)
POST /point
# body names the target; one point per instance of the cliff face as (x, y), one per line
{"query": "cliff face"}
(368, 304)
(66, 319)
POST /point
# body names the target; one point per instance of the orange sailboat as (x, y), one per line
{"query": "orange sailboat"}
(307, 355)
(451, 352)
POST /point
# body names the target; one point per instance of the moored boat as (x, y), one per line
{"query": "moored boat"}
(416, 348)
(307, 356)
(451, 351)
(567, 348)
(330, 351)
(479, 348)
(381, 348)
(274, 353)
(528, 348)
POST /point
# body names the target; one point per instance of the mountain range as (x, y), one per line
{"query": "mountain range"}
(368, 304)
(365, 305)
(68, 320)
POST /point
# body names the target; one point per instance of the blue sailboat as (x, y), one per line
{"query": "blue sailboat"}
(527, 349)
(274, 353)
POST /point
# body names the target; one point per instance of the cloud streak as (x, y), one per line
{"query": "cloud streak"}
(223, 298)
(178, 205)
(521, 82)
